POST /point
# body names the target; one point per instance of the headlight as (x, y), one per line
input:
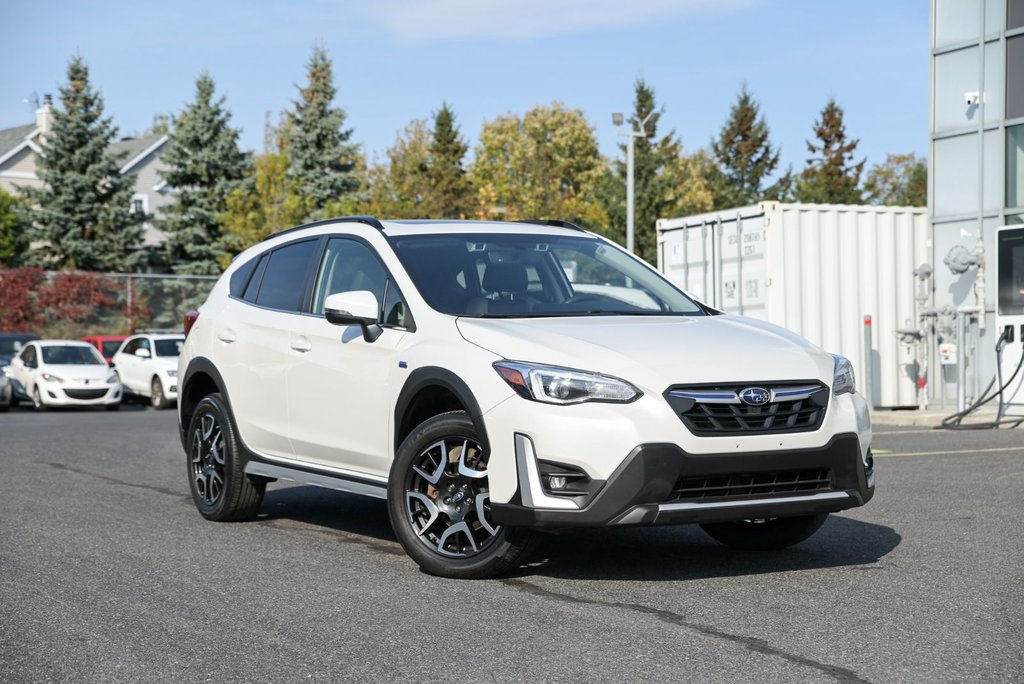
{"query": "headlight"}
(171, 372)
(50, 377)
(843, 381)
(112, 378)
(554, 385)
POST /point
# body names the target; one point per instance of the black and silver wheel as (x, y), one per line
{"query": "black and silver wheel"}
(765, 534)
(156, 394)
(37, 399)
(439, 503)
(220, 488)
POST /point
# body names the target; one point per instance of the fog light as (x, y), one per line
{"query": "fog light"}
(556, 482)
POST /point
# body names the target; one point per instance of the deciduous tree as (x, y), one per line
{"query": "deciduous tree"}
(13, 230)
(902, 180)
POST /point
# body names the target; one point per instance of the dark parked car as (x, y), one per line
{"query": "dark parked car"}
(11, 343)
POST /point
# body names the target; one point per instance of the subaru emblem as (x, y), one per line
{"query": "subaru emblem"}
(755, 396)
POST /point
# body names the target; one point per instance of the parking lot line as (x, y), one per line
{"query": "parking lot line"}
(879, 454)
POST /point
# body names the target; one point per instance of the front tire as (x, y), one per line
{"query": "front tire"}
(156, 394)
(220, 488)
(37, 399)
(765, 535)
(438, 502)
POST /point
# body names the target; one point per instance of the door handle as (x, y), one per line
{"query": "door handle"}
(227, 335)
(301, 344)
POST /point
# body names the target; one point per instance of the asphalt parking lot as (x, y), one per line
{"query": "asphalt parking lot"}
(109, 574)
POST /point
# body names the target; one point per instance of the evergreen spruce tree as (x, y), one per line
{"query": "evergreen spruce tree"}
(831, 176)
(82, 213)
(324, 164)
(744, 155)
(450, 192)
(13, 230)
(204, 166)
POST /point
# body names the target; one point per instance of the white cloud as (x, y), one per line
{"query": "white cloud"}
(426, 20)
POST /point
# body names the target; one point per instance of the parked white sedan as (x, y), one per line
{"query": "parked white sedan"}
(64, 373)
(148, 366)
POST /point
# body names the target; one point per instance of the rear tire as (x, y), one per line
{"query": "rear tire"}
(765, 535)
(437, 501)
(220, 488)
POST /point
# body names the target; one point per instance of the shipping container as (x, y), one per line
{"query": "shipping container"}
(820, 270)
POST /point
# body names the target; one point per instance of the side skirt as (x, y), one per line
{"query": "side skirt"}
(317, 479)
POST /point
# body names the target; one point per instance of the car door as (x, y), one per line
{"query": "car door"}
(339, 384)
(22, 367)
(252, 349)
(125, 362)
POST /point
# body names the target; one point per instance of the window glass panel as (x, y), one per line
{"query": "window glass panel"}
(1014, 14)
(240, 278)
(1014, 77)
(395, 311)
(994, 15)
(254, 283)
(957, 21)
(994, 82)
(956, 192)
(285, 276)
(348, 266)
(956, 73)
(1015, 166)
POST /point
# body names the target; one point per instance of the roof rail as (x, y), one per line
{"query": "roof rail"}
(368, 220)
(556, 223)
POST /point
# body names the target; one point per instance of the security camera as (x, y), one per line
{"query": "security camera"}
(972, 98)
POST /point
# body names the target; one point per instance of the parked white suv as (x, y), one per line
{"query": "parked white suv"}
(490, 378)
(148, 366)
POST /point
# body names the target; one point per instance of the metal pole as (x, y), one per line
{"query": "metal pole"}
(868, 377)
(629, 194)
(961, 372)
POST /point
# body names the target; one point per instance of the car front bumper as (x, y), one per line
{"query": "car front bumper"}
(643, 490)
(54, 394)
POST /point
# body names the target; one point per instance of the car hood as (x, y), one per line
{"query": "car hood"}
(78, 371)
(655, 352)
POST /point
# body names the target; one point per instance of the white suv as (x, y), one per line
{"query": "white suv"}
(148, 366)
(490, 378)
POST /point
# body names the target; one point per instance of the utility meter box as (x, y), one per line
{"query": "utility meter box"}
(1010, 312)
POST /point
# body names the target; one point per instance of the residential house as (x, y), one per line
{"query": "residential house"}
(21, 146)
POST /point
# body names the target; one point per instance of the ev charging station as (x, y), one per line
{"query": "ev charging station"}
(1010, 316)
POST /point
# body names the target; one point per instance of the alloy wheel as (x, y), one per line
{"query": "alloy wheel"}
(208, 460)
(156, 394)
(447, 499)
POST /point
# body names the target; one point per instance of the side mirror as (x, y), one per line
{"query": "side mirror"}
(142, 353)
(355, 308)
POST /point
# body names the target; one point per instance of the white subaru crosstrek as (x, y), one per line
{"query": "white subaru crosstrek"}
(488, 379)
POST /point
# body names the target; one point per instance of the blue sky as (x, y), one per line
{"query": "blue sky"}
(396, 60)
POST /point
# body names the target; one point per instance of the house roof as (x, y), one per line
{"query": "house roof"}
(11, 138)
(137, 148)
(134, 149)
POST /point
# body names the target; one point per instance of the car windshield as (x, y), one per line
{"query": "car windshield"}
(522, 275)
(169, 347)
(110, 347)
(71, 356)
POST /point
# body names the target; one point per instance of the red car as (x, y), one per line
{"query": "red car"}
(107, 345)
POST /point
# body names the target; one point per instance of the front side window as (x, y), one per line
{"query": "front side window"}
(110, 347)
(72, 356)
(171, 347)
(523, 275)
(348, 266)
(28, 355)
(284, 279)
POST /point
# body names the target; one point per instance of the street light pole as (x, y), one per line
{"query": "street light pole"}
(631, 171)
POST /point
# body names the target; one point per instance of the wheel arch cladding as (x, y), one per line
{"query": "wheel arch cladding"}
(201, 379)
(430, 391)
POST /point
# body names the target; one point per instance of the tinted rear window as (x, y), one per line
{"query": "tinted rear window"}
(285, 278)
(240, 278)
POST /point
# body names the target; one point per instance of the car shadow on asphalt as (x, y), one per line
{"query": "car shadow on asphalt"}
(668, 553)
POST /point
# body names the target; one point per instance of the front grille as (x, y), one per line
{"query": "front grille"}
(85, 393)
(719, 410)
(753, 485)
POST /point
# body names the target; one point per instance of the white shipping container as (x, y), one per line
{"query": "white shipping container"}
(816, 269)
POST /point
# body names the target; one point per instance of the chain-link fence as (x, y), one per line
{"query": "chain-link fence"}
(72, 304)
